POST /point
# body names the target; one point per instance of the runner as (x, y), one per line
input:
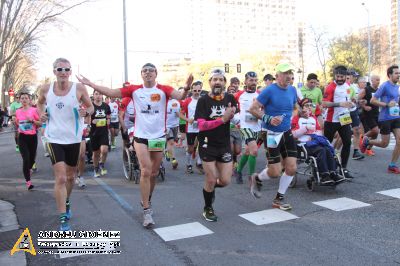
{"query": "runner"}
(27, 119)
(249, 125)
(268, 80)
(213, 113)
(126, 118)
(63, 131)
(277, 102)
(99, 133)
(150, 103)
(192, 129)
(13, 108)
(235, 135)
(337, 99)
(80, 180)
(173, 111)
(314, 93)
(114, 122)
(387, 97)
(370, 112)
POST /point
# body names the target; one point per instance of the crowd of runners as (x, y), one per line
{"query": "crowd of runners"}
(221, 125)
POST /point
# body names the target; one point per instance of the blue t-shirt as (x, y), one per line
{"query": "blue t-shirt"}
(387, 92)
(278, 101)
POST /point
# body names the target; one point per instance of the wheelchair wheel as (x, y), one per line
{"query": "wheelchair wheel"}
(311, 184)
(126, 164)
(135, 167)
(294, 182)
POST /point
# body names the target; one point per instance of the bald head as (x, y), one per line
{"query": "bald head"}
(375, 81)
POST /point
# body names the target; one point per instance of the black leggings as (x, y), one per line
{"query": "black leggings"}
(345, 134)
(27, 148)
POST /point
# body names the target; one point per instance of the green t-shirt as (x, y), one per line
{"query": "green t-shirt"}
(14, 106)
(315, 94)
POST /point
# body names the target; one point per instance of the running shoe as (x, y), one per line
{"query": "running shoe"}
(65, 226)
(174, 164)
(254, 190)
(147, 218)
(34, 167)
(68, 212)
(189, 169)
(200, 168)
(17, 148)
(46, 154)
(357, 155)
(113, 147)
(167, 156)
(280, 203)
(209, 215)
(393, 170)
(239, 178)
(336, 178)
(103, 171)
(347, 174)
(370, 152)
(80, 181)
(364, 144)
(29, 185)
(96, 172)
(326, 179)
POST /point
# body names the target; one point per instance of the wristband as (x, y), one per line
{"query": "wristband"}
(266, 119)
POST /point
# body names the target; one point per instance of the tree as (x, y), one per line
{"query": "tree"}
(321, 44)
(23, 21)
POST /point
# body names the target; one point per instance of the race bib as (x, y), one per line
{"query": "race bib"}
(345, 119)
(273, 138)
(101, 122)
(156, 144)
(114, 118)
(250, 118)
(195, 125)
(394, 110)
(25, 126)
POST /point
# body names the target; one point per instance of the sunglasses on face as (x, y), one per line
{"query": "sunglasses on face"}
(63, 69)
(308, 105)
(196, 90)
(151, 70)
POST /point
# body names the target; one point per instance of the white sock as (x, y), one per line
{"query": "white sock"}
(284, 183)
(198, 160)
(264, 175)
(188, 159)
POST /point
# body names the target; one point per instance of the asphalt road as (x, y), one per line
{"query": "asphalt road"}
(367, 235)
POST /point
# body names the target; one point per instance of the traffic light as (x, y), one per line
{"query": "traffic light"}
(238, 68)
(226, 68)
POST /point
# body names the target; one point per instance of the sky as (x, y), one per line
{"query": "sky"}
(92, 38)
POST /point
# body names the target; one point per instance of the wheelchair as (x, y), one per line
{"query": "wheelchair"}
(307, 166)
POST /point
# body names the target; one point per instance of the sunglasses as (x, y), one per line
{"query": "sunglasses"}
(151, 70)
(196, 90)
(63, 69)
(308, 105)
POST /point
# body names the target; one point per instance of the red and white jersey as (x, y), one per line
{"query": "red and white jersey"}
(126, 106)
(173, 110)
(189, 107)
(247, 120)
(302, 126)
(336, 94)
(150, 106)
(114, 112)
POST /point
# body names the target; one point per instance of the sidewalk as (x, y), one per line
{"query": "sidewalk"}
(9, 234)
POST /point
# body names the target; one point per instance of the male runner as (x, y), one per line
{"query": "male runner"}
(213, 113)
(63, 131)
(150, 103)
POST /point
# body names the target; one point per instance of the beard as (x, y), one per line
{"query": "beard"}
(251, 89)
(217, 89)
(340, 82)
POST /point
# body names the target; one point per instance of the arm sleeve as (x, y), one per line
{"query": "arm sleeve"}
(296, 130)
(208, 125)
(379, 92)
(126, 92)
(263, 97)
(167, 89)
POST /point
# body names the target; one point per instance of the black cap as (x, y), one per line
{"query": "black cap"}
(234, 80)
(268, 77)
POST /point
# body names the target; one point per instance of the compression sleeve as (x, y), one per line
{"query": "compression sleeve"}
(208, 125)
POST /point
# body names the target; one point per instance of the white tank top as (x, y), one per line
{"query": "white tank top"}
(64, 125)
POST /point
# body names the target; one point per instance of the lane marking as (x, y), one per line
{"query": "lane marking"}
(268, 216)
(395, 193)
(341, 204)
(182, 231)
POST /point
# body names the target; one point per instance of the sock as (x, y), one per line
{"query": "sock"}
(199, 160)
(392, 164)
(264, 175)
(279, 196)
(150, 197)
(284, 183)
(252, 164)
(63, 217)
(67, 205)
(188, 159)
(242, 162)
(208, 198)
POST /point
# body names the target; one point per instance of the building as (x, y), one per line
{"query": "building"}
(224, 29)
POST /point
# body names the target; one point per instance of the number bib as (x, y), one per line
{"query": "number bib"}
(345, 119)
(25, 126)
(250, 118)
(101, 122)
(156, 144)
(195, 125)
(114, 118)
(394, 111)
(273, 138)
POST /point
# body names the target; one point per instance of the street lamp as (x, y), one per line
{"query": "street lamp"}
(369, 43)
(125, 45)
